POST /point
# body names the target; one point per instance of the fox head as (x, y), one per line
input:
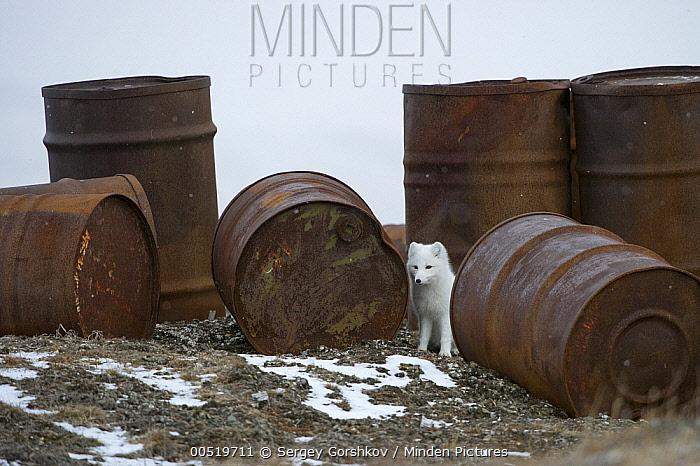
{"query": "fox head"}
(428, 263)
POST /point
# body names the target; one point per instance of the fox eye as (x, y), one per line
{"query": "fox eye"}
(428, 266)
(415, 267)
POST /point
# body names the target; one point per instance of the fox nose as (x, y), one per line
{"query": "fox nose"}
(418, 280)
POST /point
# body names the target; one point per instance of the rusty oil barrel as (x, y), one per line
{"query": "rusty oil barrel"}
(85, 262)
(301, 261)
(397, 234)
(638, 147)
(578, 317)
(125, 185)
(160, 130)
(480, 152)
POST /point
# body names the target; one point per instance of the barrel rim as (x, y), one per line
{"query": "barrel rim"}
(488, 87)
(290, 172)
(565, 356)
(586, 85)
(146, 85)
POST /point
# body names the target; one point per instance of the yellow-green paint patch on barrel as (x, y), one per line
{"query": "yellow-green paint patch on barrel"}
(318, 274)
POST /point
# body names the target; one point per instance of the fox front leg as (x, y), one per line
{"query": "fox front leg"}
(426, 328)
(445, 337)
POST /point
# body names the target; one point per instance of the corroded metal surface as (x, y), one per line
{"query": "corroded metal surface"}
(478, 153)
(578, 317)
(638, 145)
(301, 261)
(160, 130)
(397, 234)
(126, 185)
(85, 262)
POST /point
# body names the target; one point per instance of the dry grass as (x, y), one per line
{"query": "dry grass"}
(83, 415)
(159, 442)
(656, 443)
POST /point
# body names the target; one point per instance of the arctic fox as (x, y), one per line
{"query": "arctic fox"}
(431, 286)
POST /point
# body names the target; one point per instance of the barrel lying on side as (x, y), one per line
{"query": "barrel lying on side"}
(160, 130)
(638, 145)
(397, 234)
(85, 262)
(480, 152)
(578, 317)
(301, 261)
(125, 185)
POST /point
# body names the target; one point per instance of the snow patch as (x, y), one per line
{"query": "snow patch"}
(164, 379)
(427, 423)
(303, 439)
(354, 394)
(36, 359)
(11, 396)
(4, 462)
(113, 442)
(522, 454)
(18, 373)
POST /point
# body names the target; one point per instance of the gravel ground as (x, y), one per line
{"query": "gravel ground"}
(190, 387)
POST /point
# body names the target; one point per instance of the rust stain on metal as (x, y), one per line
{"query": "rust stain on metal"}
(125, 185)
(87, 262)
(638, 165)
(478, 153)
(310, 267)
(160, 130)
(397, 234)
(578, 317)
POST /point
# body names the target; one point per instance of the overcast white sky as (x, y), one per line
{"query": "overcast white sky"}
(355, 134)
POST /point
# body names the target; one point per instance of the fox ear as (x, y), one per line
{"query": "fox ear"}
(437, 248)
(412, 248)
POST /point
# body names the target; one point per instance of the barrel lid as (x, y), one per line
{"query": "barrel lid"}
(118, 88)
(662, 80)
(518, 85)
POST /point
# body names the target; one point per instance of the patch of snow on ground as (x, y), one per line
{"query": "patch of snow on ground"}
(303, 439)
(522, 454)
(427, 423)
(22, 373)
(4, 462)
(361, 406)
(18, 373)
(164, 379)
(11, 396)
(36, 359)
(113, 442)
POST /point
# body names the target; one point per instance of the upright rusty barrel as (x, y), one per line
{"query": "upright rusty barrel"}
(85, 262)
(480, 152)
(126, 185)
(578, 317)
(160, 130)
(638, 145)
(301, 261)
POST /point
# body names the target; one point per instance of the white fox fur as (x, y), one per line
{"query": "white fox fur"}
(431, 286)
